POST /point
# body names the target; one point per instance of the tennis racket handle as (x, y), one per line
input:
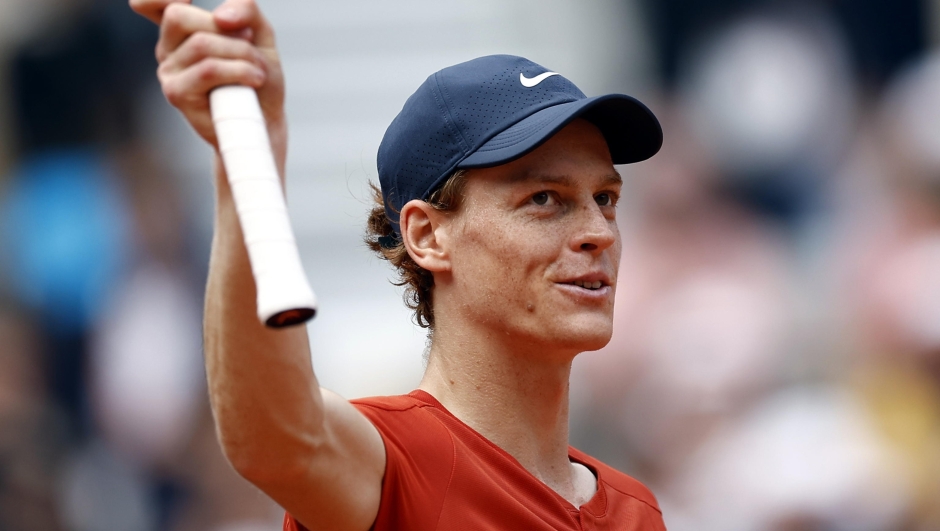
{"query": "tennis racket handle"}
(284, 294)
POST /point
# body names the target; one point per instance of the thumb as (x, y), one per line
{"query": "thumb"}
(153, 9)
(237, 16)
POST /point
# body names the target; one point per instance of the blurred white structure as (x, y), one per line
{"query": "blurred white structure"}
(146, 367)
(803, 457)
(766, 92)
(913, 114)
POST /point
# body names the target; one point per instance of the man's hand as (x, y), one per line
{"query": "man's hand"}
(199, 50)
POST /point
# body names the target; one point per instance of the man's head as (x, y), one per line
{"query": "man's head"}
(466, 144)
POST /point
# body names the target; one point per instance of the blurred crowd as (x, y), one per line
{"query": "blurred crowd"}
(776, 360)
(776, 356)
(104, 423)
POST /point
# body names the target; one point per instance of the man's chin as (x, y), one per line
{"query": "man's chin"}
(583, 334)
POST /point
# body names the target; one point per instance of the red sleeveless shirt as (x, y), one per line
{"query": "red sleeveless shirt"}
(440, 474)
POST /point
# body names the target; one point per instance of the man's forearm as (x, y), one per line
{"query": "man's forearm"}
(264, 394)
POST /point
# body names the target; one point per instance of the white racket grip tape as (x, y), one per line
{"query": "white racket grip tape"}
(284, 294)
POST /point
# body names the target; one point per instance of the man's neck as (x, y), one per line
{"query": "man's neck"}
(519, 402)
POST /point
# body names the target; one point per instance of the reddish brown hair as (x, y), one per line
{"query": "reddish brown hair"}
(416, 280)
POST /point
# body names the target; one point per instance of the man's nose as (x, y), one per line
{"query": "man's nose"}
(595, 232)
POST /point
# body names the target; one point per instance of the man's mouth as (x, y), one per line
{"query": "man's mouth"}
(588, 285)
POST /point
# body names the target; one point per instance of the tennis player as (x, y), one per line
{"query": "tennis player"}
(498, 208)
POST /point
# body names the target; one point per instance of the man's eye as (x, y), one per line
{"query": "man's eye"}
(540, 198)
(604, 199)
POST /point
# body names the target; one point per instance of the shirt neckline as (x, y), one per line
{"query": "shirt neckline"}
(596, 505)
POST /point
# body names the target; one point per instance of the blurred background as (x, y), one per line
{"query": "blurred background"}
(776, 359)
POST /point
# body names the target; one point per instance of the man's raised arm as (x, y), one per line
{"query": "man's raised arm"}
(307, 448)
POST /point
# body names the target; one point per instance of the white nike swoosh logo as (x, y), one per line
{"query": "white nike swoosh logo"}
(531, 82)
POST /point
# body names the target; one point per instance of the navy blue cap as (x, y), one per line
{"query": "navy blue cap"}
(490, 111)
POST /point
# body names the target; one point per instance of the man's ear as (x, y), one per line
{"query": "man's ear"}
(424, 233)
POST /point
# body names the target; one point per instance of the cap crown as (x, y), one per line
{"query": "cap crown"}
(454, 112)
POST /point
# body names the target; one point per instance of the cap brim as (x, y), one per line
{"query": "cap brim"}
(632, 131)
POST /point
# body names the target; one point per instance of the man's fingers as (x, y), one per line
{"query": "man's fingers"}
(190, 86)
(179, 22)
(202, 45)
(197, 55)
(235, 15)
(153, 9)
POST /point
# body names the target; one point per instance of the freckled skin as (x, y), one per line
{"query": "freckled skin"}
(509, 252)
(509, 317)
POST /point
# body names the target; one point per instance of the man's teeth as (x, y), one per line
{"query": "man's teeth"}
(589, 285)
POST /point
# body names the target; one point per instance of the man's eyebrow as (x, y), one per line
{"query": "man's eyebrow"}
(613, 178)
(564, 180)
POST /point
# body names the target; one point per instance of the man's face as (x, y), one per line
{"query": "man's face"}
(536, 247)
